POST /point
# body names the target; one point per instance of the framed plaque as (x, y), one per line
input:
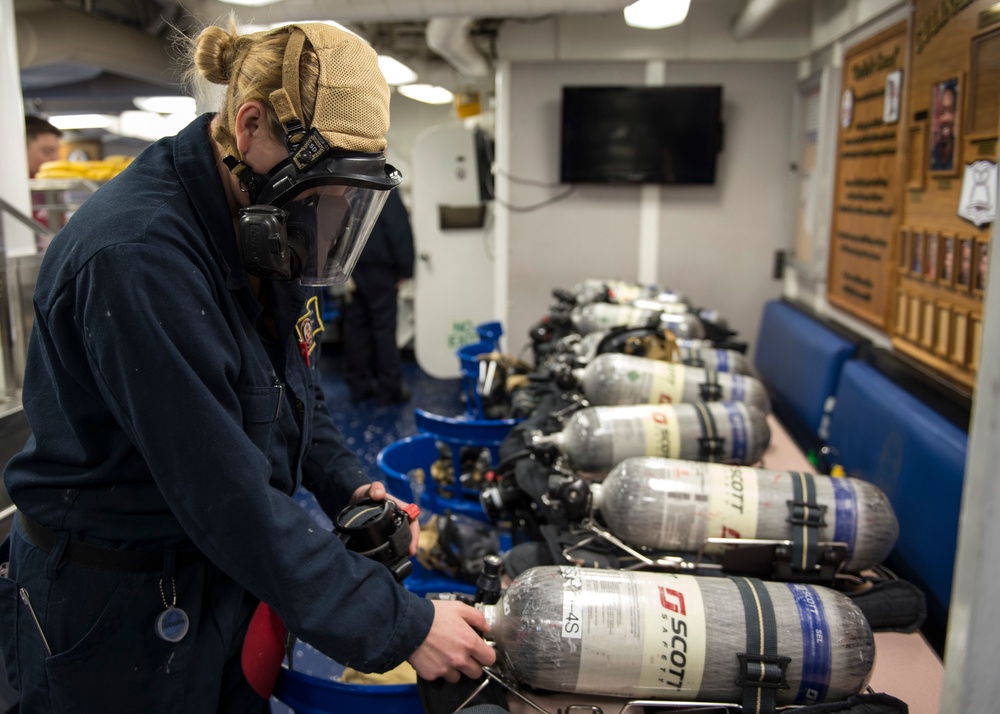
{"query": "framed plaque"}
(945, 129)
(917, 253)
(980, 266)
(932, 256)
(946, 276)
(963, 277)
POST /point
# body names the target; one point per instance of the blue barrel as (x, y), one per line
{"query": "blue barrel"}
(468, 361)
(396, 460)
(306, 694)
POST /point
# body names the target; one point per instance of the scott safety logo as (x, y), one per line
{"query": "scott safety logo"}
(674, 639)
(308, 326)
(673, 600)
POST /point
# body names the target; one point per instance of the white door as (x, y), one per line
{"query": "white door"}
(453, 279)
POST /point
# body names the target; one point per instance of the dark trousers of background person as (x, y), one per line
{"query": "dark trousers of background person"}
(373, 361)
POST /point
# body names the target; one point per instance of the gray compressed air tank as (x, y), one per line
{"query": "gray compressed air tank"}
(696, 353)
(674, 505)
(672, 637)
(622, 291)
(595, 439)
(603, 315)
(701, 353)
(613, 378)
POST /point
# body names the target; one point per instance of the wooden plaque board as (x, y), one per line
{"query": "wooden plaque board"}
(953, 109)
(870, 146)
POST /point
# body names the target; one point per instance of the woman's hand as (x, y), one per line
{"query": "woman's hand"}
(453, 646)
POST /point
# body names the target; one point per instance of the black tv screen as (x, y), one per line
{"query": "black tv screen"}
(659, 135)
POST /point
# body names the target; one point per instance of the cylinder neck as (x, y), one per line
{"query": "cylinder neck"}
(596, 496)
(556, 439)
(489, 613)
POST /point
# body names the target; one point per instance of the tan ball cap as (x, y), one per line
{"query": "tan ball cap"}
(352, 100)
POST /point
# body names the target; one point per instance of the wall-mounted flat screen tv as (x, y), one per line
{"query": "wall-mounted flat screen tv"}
(657, 135)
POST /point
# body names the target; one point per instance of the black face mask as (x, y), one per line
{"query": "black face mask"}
(310, 217)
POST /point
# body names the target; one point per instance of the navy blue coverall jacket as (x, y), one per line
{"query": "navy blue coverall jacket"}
(162, 419)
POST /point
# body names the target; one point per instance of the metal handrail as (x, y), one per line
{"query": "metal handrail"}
(30, 222)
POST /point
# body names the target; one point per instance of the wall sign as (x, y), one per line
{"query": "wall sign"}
(866, 200)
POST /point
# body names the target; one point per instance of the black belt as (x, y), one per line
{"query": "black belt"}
(100, 558)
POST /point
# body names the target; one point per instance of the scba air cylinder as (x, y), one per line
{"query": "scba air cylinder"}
(671, 316)
(625, 379)
(696, 353)
(672, 637)
(674, 505)
(597, 438)
(621, 291)
(699, 353)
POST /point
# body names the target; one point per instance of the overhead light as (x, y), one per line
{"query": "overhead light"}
(165, 105)
(249, 3)
(656, 14)
(427, 93)
(150, 126)
(395, 72)
(82, 121)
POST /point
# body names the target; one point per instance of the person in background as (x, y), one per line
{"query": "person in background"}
(173, 393)
(373, 365)
(43, 142)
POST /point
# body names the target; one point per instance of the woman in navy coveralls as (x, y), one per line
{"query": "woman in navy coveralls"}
(175, 407)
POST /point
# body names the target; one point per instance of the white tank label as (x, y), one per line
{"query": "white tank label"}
(662, 435)
(667, 385)
(653, 433)
(733, 502)
(646, 626)
(684, 519)
(610, 315)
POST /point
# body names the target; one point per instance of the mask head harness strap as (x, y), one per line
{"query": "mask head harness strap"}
(306, 147)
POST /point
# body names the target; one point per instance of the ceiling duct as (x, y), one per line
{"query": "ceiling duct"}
(754, 16)
(449, 37)
(60, 37)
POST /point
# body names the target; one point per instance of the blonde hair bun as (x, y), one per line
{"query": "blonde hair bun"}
(215, 53)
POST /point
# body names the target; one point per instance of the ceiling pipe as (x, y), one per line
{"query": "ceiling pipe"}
(449, 37)
(754, 16)
(63, 36)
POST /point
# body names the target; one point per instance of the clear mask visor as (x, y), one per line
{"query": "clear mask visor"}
(331, 225)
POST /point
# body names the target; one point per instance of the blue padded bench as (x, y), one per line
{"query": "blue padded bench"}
(882, 433)
(799, 359)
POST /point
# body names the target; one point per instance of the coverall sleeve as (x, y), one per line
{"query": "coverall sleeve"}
(331, 471)
(167, 364)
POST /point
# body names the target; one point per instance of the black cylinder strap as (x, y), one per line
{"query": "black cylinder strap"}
(710, 443)
(806, 518)
(710, 389)
(762, 670)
